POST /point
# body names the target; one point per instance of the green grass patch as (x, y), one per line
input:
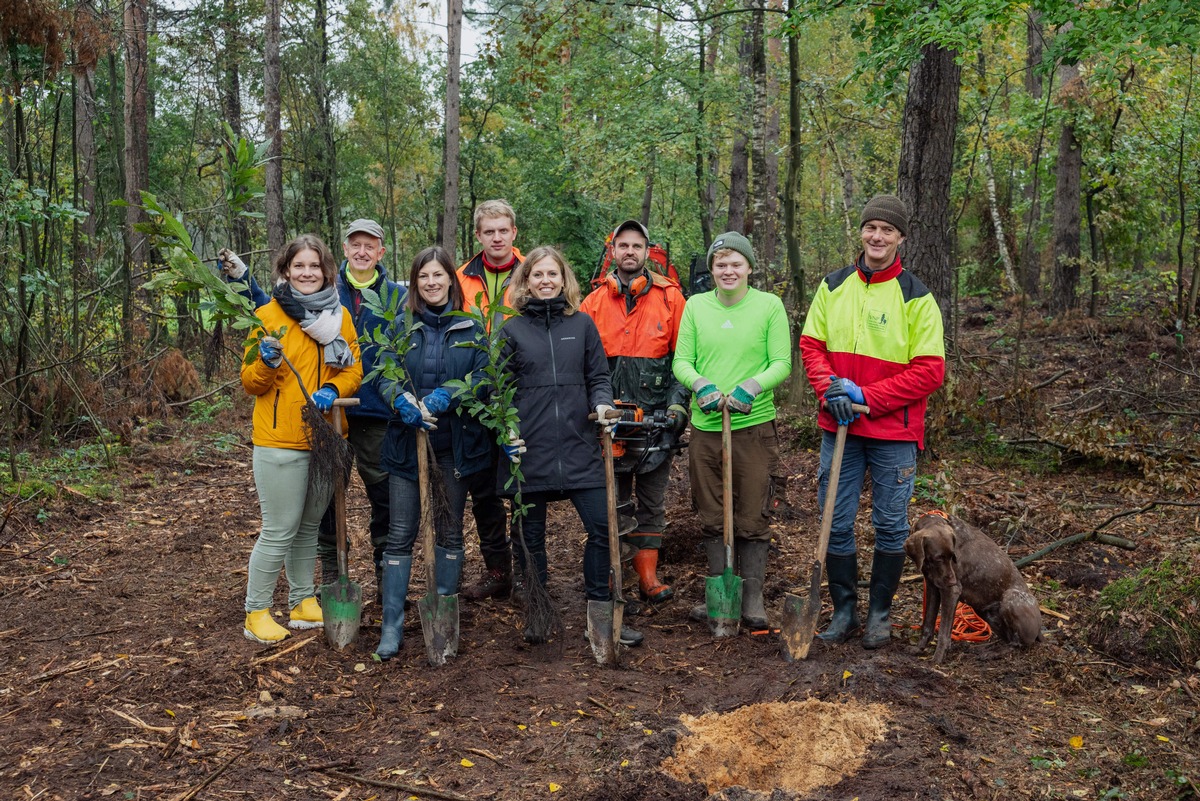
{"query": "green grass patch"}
(1152, 614)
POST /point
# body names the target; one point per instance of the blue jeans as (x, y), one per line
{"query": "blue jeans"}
(406, 510)
(592, 506)
(893, 472)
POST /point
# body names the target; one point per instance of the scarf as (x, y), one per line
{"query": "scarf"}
(320, 316)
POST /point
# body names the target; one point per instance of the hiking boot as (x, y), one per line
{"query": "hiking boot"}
(645, 562)
(306, 615)
(493, 583)
(262, 628)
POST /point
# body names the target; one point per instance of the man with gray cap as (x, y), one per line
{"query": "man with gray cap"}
(637, 312)
(873, 336)
(363, 246)
(734, 348)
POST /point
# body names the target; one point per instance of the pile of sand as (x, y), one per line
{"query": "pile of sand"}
(797, 746)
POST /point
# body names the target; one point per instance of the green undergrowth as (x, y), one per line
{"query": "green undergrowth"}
(1152, 615)
(82, 468)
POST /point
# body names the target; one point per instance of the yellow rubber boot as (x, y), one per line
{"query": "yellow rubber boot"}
(261, 627)
(307, 615)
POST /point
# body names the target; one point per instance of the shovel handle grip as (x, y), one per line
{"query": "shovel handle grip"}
(611, 414)
(346, 401)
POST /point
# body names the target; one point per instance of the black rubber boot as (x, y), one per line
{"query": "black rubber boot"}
(714, 548)
(885, 578)
(842, 572)
(752, 561)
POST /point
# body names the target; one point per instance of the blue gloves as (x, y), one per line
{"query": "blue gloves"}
(270, 351)
(324, 397)
(437, 401)
(514, 448)
(743, 395)
(841, 394)
(708, 397)
(410, 413)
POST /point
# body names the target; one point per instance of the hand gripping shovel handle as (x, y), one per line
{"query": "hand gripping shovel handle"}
(799, 616)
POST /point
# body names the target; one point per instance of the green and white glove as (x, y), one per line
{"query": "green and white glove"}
(743, 395)
(708, 397)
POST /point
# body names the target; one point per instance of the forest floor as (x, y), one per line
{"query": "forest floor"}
(124, 673)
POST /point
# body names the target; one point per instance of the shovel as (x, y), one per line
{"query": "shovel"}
(604, 618)
(800, 616)
(439, 613)
(723, 593)
(341, 601)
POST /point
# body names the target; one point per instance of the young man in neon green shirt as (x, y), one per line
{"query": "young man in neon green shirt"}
(733, 350)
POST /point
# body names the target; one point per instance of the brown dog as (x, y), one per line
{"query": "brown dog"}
(960, 562)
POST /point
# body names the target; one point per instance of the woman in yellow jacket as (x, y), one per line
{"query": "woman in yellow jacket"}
(320, 343)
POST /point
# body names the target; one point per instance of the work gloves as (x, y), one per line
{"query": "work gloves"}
(513, 448)
(608, 426)
(270, 351)
(743, 395)
(677, 416)
(708, 397)
(324, 397)
(410, 412)
(230, 265)
(843, 392)
(437, 402)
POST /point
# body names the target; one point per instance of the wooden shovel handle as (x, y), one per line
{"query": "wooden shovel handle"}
(339, 495)
(727, 479)
(426, 518)
(835, 472)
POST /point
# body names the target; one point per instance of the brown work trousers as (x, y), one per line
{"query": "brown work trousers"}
(755, 462)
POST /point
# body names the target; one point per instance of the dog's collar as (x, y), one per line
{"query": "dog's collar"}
(938, 513)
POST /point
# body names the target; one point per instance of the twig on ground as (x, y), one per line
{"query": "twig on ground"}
(404, 788)
(602, 705)
(1106, 539)
(188, 795)
(262, 660)
(141, 724)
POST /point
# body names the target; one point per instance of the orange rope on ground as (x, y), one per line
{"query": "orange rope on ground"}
(967, 627)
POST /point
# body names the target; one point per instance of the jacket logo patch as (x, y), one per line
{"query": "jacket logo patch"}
(877, 320)
(728, 324)
(566, 339)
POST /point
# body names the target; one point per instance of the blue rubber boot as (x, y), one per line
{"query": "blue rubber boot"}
(447, 568)
(396, 571)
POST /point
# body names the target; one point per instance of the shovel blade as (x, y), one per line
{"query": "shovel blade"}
(723, 596)
(341, 609)
(800, 618)
(439, 625)
(602, 631)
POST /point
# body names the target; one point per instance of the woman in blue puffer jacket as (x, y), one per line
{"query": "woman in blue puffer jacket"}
(440, 352)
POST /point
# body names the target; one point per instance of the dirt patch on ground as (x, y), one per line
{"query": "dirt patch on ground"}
(799, 746)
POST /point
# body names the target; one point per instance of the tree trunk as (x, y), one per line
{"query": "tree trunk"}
(797, 294)
(758, 134)
(648, 192)
(454, 12)
(989, 172)
(1067, 196)
(1031, 261)
(739, 164)
(273, 200)
(84, 151)
(231, 103)
(926, 166)
(706, 188)
(767, 202)
(137, 155)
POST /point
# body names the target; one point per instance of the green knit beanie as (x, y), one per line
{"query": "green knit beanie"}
(731, 240)
(888, 208)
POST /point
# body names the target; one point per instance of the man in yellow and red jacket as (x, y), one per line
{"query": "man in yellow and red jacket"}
(873, 336)
(637, 312)
(484, 282)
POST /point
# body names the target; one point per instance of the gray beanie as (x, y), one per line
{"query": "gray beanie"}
(731, 240)
(888, 208)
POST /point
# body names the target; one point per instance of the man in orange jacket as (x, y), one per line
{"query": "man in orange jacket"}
(484, 281)
(638, 311)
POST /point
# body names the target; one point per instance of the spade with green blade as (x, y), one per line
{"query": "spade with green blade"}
(723, 593)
